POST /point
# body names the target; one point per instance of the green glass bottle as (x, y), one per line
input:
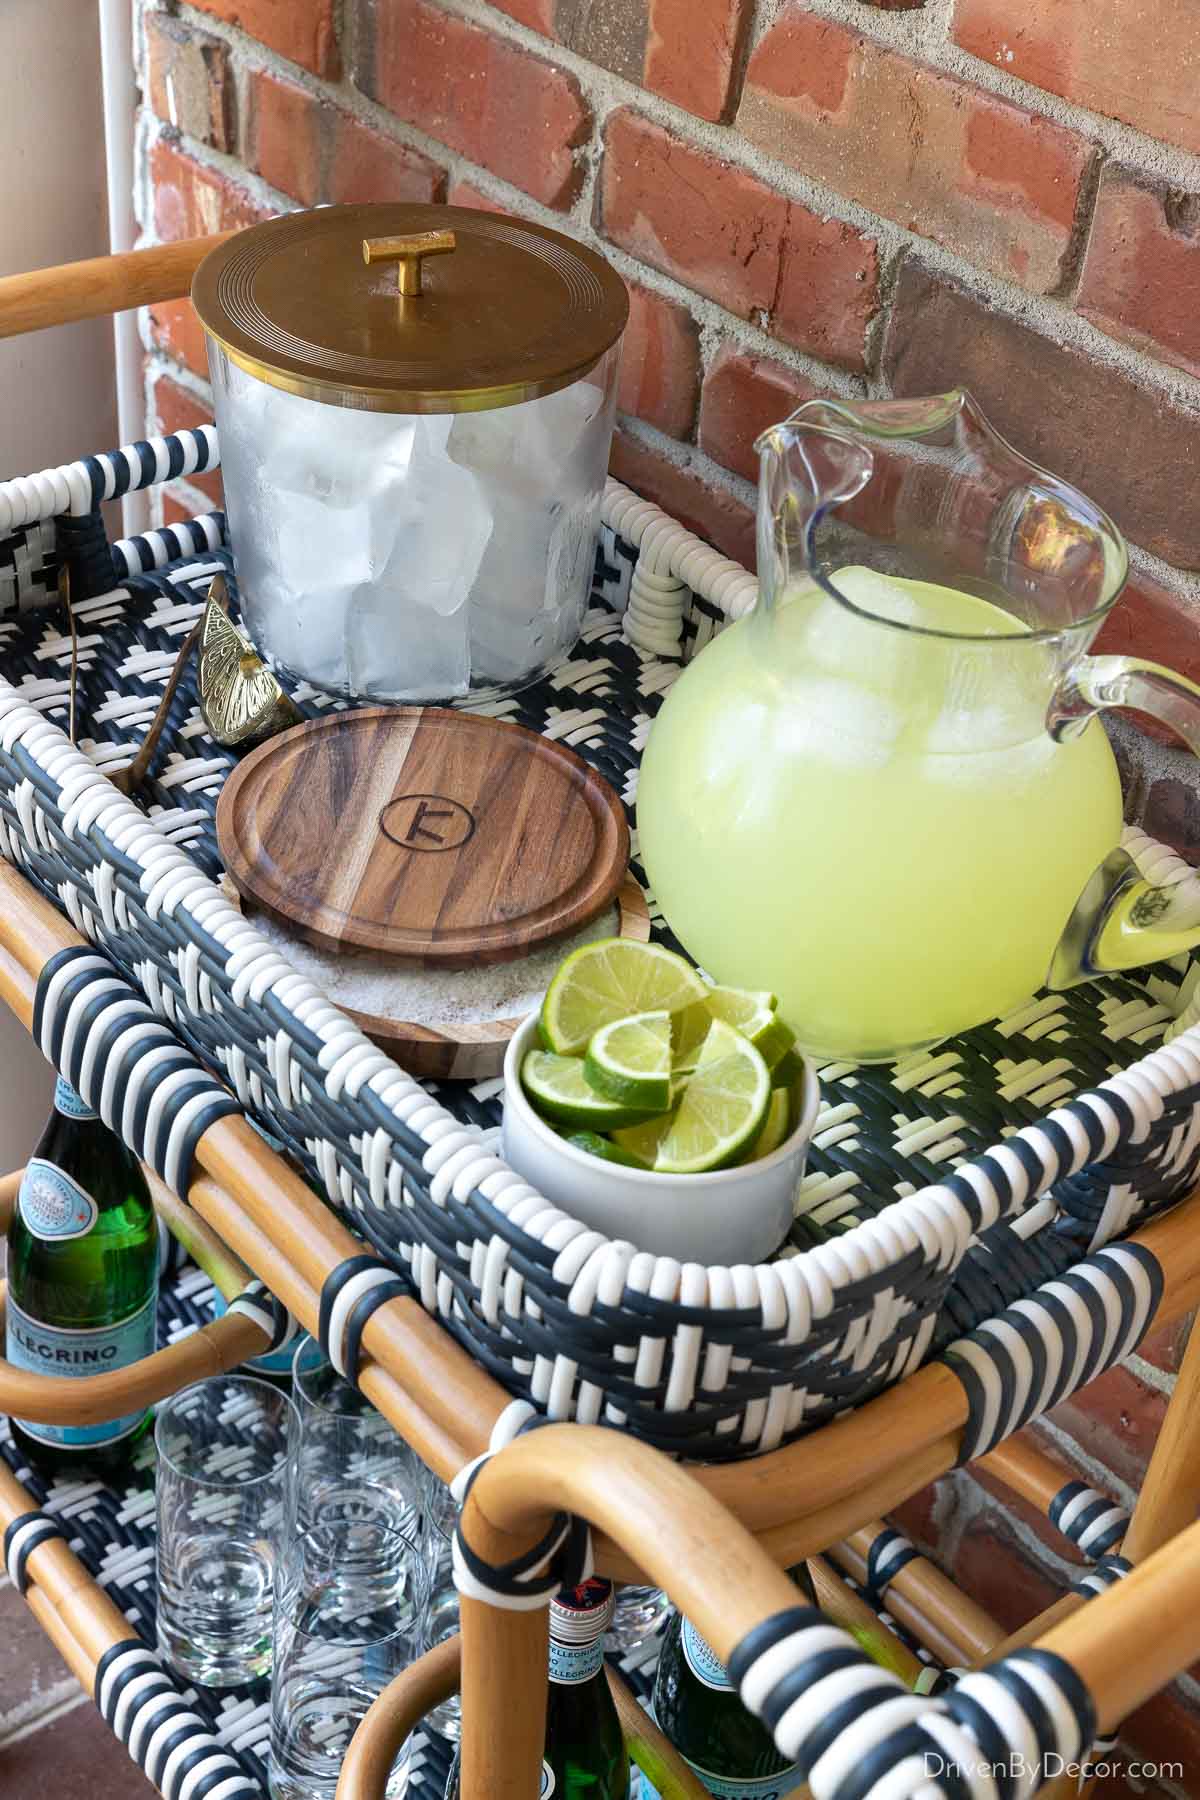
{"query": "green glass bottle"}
(82, 1278)
(698, 1708)
(585, 1752)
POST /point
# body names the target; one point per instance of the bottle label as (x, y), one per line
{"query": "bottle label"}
(52, 1205)
(703, 1661)
(547, 1787)
(766, 1787)
(69, 1104)
(74, 1352)
(571, 1664)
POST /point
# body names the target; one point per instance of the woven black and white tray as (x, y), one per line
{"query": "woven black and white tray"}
(939, 1192)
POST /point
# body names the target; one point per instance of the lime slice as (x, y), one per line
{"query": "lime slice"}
(723, 1109)
(612, 979)
(640, 1142)
(630, 1061)
(558, 1090)
(775, 1126)
(689, 1029)
(594, 1145)
(754, 1015)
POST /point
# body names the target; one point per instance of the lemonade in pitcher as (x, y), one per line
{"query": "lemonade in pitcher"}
(885, 794)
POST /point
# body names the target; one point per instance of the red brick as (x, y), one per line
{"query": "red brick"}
(1152, 622)
(692, 47)
(1170, 811)
(465, 193)
(189, 80)
(660, 363)
(916, 1516)
(1167, 1729)
(742, 396)
(894, 5)
(191, 200)
(714, 514)
(177, 410)
(1165, 1345)
(485, 97)
(1115, 1420)
(537, 14)
(810, 281)
(1142, 269)
(316, 152)
(992, 181)
(176, 329)
(1068, 412)
(301, 30)
(1138, 61)
(991, 1567)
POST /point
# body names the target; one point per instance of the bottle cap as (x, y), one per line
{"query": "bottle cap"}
(581, 1614)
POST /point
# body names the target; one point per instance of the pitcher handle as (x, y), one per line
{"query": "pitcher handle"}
(1121, 920)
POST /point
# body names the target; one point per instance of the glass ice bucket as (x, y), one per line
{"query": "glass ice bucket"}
(415, 406)
(886, 794)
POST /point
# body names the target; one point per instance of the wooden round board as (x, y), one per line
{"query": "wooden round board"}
(466, 1050)
(422, 833)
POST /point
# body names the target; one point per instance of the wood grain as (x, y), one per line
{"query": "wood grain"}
(423, 833)
(101, 284)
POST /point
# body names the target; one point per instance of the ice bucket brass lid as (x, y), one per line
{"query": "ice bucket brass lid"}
(409, 308)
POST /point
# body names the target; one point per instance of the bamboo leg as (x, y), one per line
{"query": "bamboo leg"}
(8, 1196)
(1026, 1470)
(1170, 1494)
(845, 1608)
(656, 1755)
(505, 1654)
(927, 1602)
(400, 1708)
(227, 1272)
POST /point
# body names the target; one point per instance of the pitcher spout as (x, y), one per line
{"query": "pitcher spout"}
(805, 470)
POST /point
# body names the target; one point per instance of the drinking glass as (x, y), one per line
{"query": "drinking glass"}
(639, 1614)
(349, 1614)
(351, 1467)
(222, 1484)
(441, 1618)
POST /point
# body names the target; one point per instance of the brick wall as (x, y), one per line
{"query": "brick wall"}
(804, 196)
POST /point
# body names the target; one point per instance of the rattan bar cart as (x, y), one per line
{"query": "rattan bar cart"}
(982, 1232)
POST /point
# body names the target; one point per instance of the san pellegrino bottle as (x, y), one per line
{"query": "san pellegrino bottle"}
(585, 1752)
(697, 1707)
(82, 1277)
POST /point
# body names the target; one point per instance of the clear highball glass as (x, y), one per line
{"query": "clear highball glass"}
(222, 1487)
(351, 1467)
(349, 1617)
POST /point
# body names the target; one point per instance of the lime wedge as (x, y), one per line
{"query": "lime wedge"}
(630, 1061)
(608, 980)
(689, 1029)
(775, 1126)
(594, 1145)
(723, 1108)
(557, 1088)
(640, 1142)
(754, 1015)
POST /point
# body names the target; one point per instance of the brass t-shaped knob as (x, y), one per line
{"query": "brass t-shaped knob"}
(408, 252)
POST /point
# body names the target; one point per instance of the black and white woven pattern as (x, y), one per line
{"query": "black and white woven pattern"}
(1094, 1523)
(20, 1538)
(98, 1031)
(889, 1553)
(173, 1746)
(855, 1730)
(1109, 1569)
(912, 1231)
(1037, 1352)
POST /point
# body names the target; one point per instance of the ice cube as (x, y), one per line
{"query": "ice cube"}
(874, 593)
(845, 721)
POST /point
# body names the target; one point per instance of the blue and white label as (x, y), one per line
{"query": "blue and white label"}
(703, 1661)
(766, 1787)
(53, 1206)
(75, 1352)
(572, 1663)
(69, 1104)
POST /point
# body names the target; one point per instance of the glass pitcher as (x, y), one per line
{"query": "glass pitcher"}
(885, 794)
